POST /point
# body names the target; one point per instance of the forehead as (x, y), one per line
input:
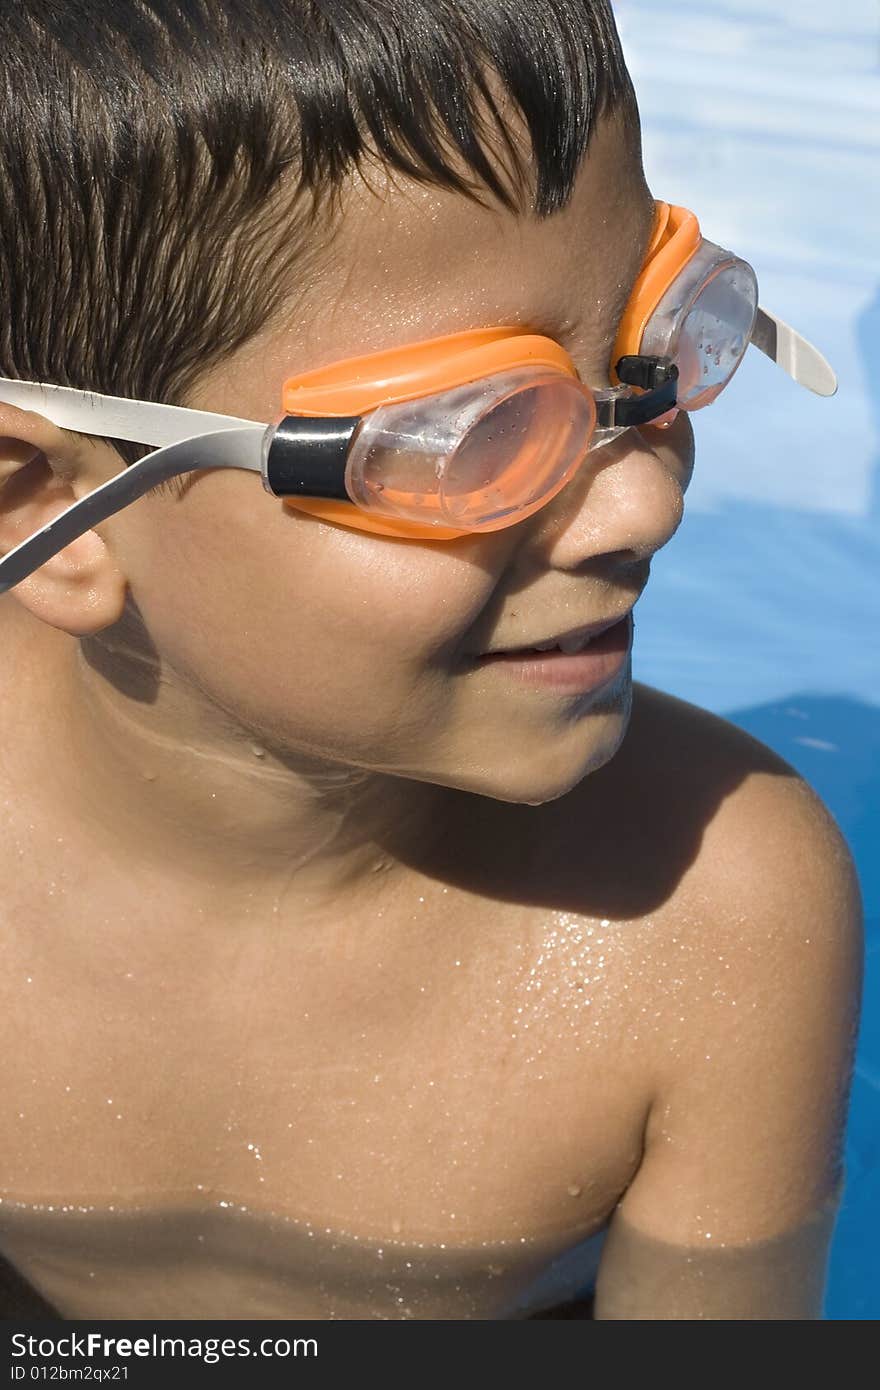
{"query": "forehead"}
(406, 261)
(415, 261)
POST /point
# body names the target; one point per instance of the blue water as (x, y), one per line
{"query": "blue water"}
(764, 117)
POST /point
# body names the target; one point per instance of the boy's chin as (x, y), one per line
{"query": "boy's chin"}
(533, 774)
(543, 790)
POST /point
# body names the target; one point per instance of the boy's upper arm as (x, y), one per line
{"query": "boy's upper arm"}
(731, 1212)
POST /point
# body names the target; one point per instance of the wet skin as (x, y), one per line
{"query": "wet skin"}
(421, 1116)
(340, 979)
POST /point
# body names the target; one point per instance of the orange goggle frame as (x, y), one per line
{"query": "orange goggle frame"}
(675, 240)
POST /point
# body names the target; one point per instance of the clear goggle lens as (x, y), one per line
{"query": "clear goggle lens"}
(704, 323)
(473, 456)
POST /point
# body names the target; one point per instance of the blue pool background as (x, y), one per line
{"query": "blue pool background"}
(764, 117)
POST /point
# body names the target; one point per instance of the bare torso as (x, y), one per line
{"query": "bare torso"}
(427, 1118)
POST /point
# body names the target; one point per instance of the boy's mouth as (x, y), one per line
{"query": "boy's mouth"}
(569, 643)
(586, 663)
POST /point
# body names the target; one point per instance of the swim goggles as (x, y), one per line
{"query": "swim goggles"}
(455, 435)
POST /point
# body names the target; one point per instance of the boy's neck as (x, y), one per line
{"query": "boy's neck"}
(158, 775)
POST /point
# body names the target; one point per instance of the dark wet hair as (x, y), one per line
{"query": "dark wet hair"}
(162, 161)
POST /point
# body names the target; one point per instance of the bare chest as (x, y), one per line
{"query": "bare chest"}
(196, 1125)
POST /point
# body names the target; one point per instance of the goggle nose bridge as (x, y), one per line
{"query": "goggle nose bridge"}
(655, 377)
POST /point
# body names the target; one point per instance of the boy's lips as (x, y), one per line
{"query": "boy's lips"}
(569, 673)
(571, 640)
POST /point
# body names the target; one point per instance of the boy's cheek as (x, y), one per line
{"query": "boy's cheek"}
(230, 569)
(401, 601)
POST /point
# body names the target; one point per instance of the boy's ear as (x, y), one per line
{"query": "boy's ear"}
(44, 470)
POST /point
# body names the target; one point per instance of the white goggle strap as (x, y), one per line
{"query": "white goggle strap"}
(802, 361)
(186, 440)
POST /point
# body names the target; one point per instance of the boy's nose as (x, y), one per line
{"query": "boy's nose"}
(627, 496)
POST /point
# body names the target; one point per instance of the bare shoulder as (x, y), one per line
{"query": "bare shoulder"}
(698, 829)
(675, 736)
(744, 1140)
(771, 910)
(693, 815)
(763, 838)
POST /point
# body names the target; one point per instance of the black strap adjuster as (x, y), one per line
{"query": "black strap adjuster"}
(657, 377)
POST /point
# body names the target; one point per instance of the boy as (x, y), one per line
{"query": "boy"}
(355, 965)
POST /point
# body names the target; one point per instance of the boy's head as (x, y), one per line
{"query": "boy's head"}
(201, 199)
